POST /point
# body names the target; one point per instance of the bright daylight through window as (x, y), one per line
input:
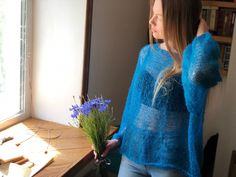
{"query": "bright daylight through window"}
(12, 57)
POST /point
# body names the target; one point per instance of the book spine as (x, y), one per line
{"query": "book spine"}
(225, 23)
(232, 23)
(212, 20)
(216, 21)
(220, 22)
(226, 58)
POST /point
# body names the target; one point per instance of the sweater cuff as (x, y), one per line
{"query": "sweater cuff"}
(118, 136)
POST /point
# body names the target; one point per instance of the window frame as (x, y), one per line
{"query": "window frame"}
(26, 48)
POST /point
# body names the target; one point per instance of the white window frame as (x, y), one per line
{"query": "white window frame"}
(27, 54)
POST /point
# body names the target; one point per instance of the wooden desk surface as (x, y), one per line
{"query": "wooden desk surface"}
(69, 145)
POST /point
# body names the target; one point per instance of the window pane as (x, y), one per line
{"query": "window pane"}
(11, 58)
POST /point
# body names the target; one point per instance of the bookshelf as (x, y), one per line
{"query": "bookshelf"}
(219, 4)
(220, 17)
(223, 39)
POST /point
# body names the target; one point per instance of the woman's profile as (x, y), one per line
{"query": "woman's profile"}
(161, 131)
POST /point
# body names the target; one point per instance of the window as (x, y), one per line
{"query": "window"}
(13, 18)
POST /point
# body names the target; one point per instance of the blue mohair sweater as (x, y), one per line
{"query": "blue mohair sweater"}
(169, 133)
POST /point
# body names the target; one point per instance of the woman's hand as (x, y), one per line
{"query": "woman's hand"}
(111, 144)
(203, 27)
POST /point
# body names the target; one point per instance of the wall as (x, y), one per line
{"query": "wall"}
(213, 118)
(58, 45)
(58, 28)
(120, 30)
(227, 138)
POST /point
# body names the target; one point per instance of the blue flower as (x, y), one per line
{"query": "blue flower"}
(75, 111)
(107, 101)
(85, 109)
(74, 115)
(102, 108)
(74, 107)
(95, 102)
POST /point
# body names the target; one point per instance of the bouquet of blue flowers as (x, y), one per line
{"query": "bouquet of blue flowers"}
(95, 117)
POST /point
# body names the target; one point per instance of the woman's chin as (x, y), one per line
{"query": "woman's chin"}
(158, 38)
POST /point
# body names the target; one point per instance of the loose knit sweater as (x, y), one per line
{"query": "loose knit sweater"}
(169, 133)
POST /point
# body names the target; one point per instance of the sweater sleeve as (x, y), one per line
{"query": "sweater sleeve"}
(204, 66)
(125, 115)
(200, 71)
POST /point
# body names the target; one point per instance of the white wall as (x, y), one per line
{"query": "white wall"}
(227, 138)
(118, 33)
(58, 46)
(119, 30)
(213, 118)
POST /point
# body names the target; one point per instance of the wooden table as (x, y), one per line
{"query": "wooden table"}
(69, 146)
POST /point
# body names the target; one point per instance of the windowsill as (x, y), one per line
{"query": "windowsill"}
(4, 124)
(69, 146)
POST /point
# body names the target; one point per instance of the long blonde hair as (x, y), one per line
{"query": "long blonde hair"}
(180, 24)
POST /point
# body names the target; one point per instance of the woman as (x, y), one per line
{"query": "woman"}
(161, 129)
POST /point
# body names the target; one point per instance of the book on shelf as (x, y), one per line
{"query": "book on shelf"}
(225, 55)
(220, 20)
(210, 13)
